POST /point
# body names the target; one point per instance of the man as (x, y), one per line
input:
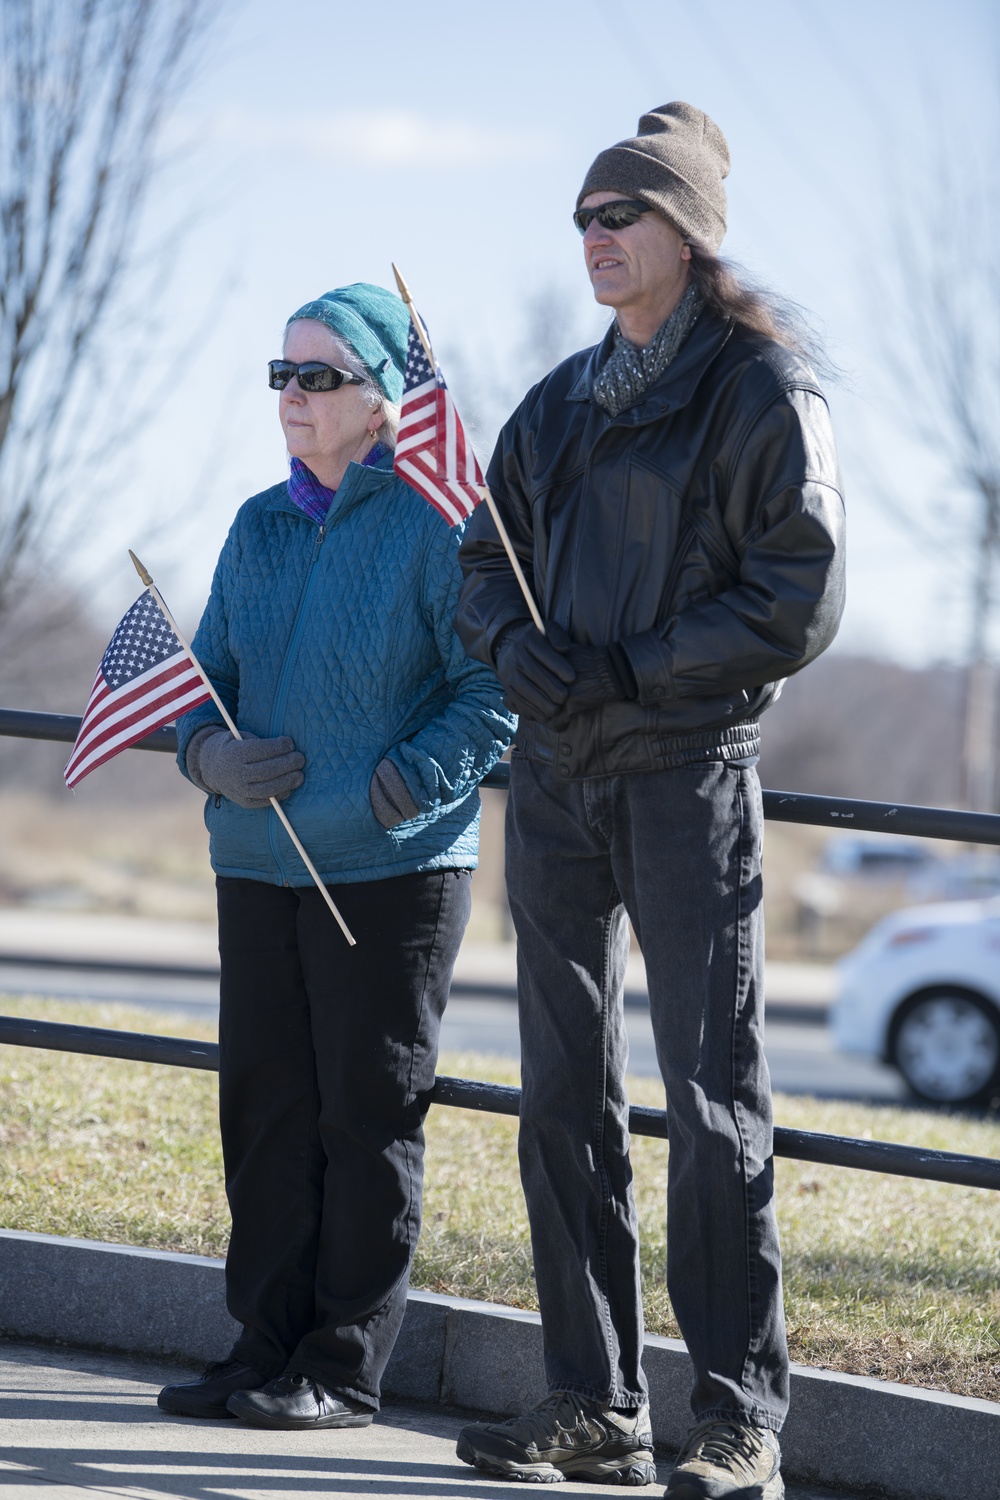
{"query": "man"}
(674, 499)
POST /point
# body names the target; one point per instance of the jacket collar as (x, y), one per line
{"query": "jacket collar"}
(676, 385)
(359, 482)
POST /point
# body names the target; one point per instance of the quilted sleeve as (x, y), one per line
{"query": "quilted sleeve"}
(211, 647)
(448, 757)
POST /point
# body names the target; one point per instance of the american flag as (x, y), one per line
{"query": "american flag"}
(145, 679)
(432, 452)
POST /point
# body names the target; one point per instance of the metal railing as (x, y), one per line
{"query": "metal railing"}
(467, 1093)
(779, 807)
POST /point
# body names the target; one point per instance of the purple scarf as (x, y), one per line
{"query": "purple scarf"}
(314, 499)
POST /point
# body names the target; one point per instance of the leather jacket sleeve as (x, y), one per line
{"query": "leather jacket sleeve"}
(491, 600)
(784, 513)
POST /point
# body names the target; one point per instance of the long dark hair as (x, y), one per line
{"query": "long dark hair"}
(728, 291)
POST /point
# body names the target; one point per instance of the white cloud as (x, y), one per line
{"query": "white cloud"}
(367, 139)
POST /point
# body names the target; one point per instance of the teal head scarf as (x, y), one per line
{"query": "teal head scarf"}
(374, 322)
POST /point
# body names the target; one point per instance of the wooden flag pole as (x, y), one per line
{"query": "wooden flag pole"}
(529, 599)
(230, 725)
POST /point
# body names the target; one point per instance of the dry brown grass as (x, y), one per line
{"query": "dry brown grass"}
(150, 859)
(884, 1276)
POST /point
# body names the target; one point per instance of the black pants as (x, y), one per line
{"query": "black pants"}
(327, 1059)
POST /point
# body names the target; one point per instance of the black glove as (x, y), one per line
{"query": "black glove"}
(249, 771)
(533, 669)
(602, 674)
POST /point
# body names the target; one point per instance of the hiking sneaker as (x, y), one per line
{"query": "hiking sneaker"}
(564, 1437)
(727, 1459)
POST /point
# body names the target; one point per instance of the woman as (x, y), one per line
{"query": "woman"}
(328, 635)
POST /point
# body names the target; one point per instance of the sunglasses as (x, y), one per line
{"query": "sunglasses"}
(311, 376)
(617, 215)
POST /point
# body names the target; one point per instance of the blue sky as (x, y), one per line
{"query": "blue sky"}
(323, 140)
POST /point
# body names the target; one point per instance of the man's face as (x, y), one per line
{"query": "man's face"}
(639, 269)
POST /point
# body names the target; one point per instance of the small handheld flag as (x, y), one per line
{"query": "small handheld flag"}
(145, 680)
(148, 675)
(432, 452)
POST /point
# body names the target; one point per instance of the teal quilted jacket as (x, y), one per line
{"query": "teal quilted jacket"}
(341, 636)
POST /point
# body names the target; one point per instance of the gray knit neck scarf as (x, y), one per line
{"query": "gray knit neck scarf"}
(629, 371)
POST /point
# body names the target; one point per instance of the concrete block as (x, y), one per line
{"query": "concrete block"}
(493, 1358)
(897, 1440)
(671, 1376)
(893, 1441)
(890, 1440)
(113, 1297)
(415, 1370)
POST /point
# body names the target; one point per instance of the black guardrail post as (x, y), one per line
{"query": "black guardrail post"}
(23, 724)
(504, 1099)
(784, 807)
(799, 1145)
(135, 1046)
(779, 807)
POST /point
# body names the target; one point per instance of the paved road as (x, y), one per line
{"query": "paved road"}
(801, 1056)
(799, 1051)
(78, 1425)
(143, 963)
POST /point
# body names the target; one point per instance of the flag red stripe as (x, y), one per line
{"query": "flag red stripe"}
(111, 713)
(160, 702)
(167, 706)
(127, 734)
(111, 747)
(426, 485)
(433, 453)
(156, 701)
(108, 705)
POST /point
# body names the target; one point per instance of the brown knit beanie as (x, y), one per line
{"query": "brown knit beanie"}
(676, 164)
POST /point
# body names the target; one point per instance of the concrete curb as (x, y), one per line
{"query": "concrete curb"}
(887, 1440)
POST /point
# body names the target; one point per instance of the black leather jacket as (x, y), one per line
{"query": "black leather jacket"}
(702, 529)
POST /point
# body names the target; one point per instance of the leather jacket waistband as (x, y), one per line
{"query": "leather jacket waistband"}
(661, 752)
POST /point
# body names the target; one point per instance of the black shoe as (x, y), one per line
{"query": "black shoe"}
(298, 1401)
(564, 1437)
(207, 1396)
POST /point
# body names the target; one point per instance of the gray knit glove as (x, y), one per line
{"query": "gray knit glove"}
(390, 796)
(249, 771)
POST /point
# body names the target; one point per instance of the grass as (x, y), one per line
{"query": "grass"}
(884, 1276)
(92, 853)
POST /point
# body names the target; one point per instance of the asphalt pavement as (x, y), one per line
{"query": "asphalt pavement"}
(77, 1424)
(174, 967)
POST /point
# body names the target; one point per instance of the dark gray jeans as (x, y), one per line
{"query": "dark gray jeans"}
(679, 853)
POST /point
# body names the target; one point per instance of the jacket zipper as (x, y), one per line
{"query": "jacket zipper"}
(281, 693)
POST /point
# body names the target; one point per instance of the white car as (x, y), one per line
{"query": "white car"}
(922, 992)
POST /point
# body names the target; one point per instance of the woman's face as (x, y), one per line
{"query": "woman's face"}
(322, 428)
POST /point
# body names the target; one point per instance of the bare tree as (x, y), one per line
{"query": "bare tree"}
(84, 91)
(941, 291)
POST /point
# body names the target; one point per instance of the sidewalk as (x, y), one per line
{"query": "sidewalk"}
(481, 967)
(78, 1424)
